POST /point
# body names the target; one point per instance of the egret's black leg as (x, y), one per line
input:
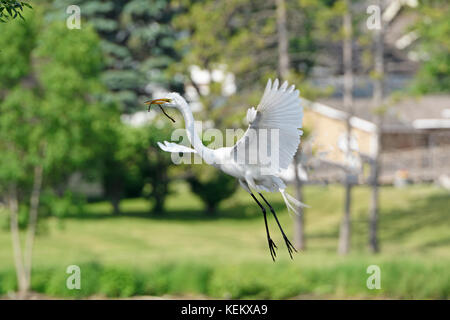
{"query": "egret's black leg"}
(272, 245)
(289, 245)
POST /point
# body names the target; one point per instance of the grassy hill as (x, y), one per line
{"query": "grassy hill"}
(184, 252)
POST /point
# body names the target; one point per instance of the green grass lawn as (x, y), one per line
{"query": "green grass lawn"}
(184, 252)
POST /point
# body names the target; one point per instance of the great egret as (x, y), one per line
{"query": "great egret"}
(279, 112)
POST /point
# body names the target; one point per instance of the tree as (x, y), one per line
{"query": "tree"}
(345, 230)
(112, 169)
(211, 187)
(432, 29)
(378, 93)
(155, 165)
(50, 117)
(132, 165)
(138, 42)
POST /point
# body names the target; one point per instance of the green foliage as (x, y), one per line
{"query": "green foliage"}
(132, 165)
(211, 186)
(78, 50)
(116, 282)
(16, 43)
(401, 279)
(50, 113)
(67, 204)
(15, 142)
(11, 9)
(156, 172)
(433, 28)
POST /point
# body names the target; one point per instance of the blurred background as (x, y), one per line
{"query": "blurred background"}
(82, 181)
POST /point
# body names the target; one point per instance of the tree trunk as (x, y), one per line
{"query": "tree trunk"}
(345, 229)
(345, 234)
(15, 238)
(32, 223)
(211, 209)
(283, 56)
(115, 191)
(158, 207)
(160, 185)
(299, 234)
(377, 101)
(373, 214)
(115, 202)
(283, 73)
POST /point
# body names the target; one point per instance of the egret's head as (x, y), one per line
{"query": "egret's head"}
(172, 100)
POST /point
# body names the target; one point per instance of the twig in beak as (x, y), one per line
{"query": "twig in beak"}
(166, 114)
(159, 102)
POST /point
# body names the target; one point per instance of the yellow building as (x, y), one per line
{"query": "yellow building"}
(415, 138)
(328, 132)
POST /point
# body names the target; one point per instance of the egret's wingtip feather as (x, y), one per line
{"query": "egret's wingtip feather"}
(279, 108)
(275, 84)
(269, 84)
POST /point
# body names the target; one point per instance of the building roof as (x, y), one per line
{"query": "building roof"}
(337, 114)
(426, 112)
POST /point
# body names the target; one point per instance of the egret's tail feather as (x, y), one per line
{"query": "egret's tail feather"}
(291, 203)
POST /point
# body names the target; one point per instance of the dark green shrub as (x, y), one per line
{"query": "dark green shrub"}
(212, 186)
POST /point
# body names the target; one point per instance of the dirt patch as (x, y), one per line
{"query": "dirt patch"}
(40, 296)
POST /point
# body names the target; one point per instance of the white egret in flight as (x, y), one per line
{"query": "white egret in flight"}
(279, 116)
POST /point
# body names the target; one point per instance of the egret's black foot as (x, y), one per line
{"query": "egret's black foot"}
(289, 246)
(272, 247)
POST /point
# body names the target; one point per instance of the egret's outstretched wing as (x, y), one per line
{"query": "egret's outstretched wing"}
(173, 147)
(280, 114)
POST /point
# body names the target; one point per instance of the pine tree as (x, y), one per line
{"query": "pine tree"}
(138, 41)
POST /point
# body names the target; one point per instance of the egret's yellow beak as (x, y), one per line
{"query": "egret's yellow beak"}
(159, 102)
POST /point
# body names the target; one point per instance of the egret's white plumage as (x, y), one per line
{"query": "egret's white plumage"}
(173, 147)
(279, 109)
(278, 112)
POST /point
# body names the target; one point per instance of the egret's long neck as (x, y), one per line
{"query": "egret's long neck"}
(191, 130)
